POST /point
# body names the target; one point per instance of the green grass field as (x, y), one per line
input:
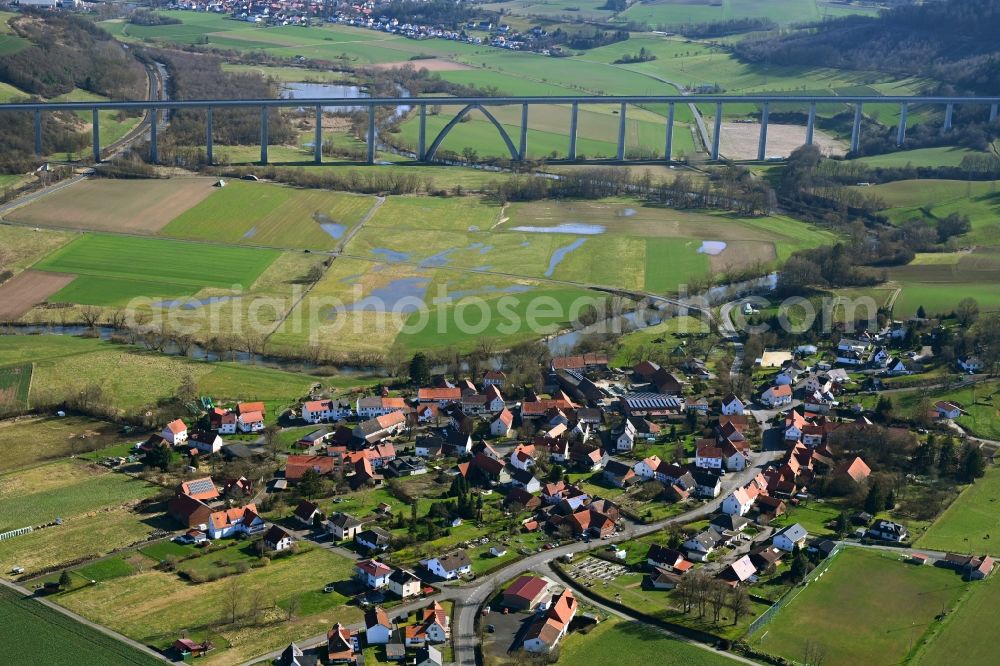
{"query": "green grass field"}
(980, 402)
(929, 157)
(617, 641)
(676, 12)
(26, 442)
(658, 339)
(868, 607)
(968, 523)
(961, 634)
(15, 382)
(112, 270)
(33, 633)
(249, 213)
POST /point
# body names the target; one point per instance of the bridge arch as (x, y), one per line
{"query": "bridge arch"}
(458, 118)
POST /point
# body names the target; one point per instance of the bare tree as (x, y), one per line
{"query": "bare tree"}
(718, 591)
(739, 603)
(813, 653)
(256, 604)
(117, 319)
(90, 316)
(233, 596)
(294, 605)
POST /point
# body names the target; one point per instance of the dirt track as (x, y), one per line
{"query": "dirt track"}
(27, 289)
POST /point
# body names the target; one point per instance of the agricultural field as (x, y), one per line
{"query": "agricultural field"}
(31, 440)
(659, 13)
(154, 268)
(15, 382)
(919, 157)
(34, 633)
(961, 633)
(124, 206)
(857, 623)
(968, 522)
(249, 213)
(161, 605)
(627, 643)
(135, 380)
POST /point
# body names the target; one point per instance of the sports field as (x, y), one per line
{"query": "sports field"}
(126, 206)
(111, 270)
(33, 633)
(968, 524)
(868, 607)
(248, 213)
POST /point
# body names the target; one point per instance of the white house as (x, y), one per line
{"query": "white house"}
(970, 363)
(708, 455)
(250, 422)
(502, 423)
(626, 440)
(404, 583)
(278, 539)
(449, 566)
(238, 520)
(323, 411)
(700, 546)
(646, 469)
(205, 442)
(777, 396)
(175, 432)
(343, 526)
(372, 573)
(947, 410)
(547, 630)
(737, 503)
(373, 406)
(523, 457)
(790, 537)
(378, 626)
(732, 405)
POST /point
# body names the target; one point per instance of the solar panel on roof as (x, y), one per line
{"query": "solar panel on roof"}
(200, 486)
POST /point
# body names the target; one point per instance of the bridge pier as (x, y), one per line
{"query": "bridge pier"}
(522, 149)
(422, 137)
(993, 112)
(811, 124)
(263, 135)
(856, 129)
(96, 135)
(371, 134)
(762, 140)
(901, 130)
(208, 136)
(668, 147)
(154, 153)
(38, 132)
(949, 112)
(716, 131)
(574, 112)
(318, 136)
(621, 133)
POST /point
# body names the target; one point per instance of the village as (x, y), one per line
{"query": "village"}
(627, 485)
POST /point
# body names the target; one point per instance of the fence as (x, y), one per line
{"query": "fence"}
(15, 533)
(768, 615)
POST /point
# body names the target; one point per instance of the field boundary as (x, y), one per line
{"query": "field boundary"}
(768, 615)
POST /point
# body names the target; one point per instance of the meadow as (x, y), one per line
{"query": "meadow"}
(967, 524)
(982, 415)
(15, 381)
(249, 213)
(674, 12)
(29, 441)
(33, 633)
(661, 337)
(161, 605)
(154, 268)
(616, 641)
(920, 157)
(858, 623)
(961, 634)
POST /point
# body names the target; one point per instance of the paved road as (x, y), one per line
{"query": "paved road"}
(728, 331)
(464, 635)
(85, 621)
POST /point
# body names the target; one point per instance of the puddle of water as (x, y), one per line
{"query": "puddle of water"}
(251, 232)
(390, 297)
(525, 243)
(442, 258)
(712, 247)
(628, 212)
(576, 228)
(561, 253)
(391, 256)
(473, 228)
(189, 303)
(333, 229)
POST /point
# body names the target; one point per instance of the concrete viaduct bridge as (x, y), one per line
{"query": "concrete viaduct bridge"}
(518, 152)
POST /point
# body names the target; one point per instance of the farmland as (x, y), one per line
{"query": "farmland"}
(31, 632)
(966, 525)
(51, 438)
(633, 644)
(155, 268)
(271, 215)
(857, 623)
(162, 605)
(15, 382)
